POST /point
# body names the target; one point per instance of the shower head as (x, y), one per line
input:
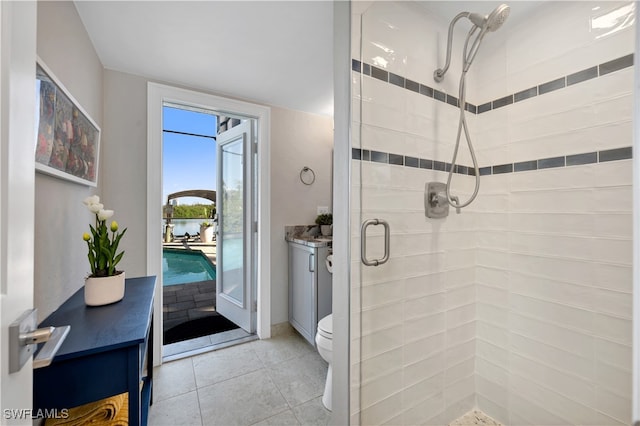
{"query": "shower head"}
(493, 21)
(488, 23)
(497, 17)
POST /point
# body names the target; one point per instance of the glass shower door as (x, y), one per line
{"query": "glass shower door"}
(412, 359)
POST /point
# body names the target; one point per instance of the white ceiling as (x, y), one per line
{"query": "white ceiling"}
(273, 52)
(449, 9)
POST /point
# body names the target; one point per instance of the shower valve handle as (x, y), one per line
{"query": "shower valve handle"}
(437, 198)
(440, 198)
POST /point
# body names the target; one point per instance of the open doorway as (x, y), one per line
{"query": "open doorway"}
(157, 96)
(208, 273)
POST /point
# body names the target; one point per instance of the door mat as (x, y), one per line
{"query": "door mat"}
(199, 327)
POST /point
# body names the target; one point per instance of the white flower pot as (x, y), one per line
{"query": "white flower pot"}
(206, 234)
(100, 291)
(326, 230)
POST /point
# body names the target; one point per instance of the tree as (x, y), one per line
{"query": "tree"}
(193, 211)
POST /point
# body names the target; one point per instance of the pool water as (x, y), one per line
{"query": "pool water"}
(183, 266)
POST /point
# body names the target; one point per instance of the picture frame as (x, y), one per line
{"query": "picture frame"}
(67, 142)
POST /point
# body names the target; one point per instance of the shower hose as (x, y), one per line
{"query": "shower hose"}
(467, 59)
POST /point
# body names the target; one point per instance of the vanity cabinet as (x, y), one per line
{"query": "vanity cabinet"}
(309, 287)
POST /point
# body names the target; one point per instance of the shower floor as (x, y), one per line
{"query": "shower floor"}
(474, 417)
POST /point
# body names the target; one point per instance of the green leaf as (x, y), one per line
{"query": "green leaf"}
(118, 258)
(102, 248)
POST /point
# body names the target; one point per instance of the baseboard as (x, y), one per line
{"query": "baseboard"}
(281, 329)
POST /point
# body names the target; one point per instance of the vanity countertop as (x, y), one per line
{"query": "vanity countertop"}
(311, 241)
(306, 235)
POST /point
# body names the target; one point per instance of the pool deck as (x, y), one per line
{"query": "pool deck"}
(185, 302)
(209, 249)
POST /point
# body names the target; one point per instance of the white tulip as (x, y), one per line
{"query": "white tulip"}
(105, 214)
(95, 208)
(94, 199)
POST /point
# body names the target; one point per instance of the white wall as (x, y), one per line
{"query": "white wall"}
(124, 163)
(296, 137)
(342, 379)
(60, 217)
(553, 269)
(521, 305)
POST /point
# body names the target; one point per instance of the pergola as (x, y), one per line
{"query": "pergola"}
(201, 193)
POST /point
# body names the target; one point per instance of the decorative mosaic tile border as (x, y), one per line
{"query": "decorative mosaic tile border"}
(615, 154)
(539, 90)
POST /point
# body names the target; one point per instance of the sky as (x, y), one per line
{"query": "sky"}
(189, 162)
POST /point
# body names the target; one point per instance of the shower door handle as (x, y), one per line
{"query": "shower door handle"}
(363, 242)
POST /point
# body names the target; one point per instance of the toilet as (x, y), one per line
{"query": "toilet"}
(324, 343)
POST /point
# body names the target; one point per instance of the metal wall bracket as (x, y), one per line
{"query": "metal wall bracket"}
(24, 337)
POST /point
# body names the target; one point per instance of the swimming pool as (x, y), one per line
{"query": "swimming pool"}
(185, 266)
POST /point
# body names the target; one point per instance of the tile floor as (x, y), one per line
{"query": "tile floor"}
(278, 381)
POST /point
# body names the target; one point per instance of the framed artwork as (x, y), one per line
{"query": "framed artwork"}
(67, 139)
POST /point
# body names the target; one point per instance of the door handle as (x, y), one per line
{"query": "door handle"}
(24, 337)
(363, 242)
(312, 262)
(50, 349)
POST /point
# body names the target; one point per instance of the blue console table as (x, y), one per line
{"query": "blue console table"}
(108, 351)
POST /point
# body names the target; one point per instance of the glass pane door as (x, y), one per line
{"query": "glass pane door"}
(234, 274)
(231, 241)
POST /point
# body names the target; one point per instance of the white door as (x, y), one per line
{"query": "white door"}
(17, 184)
(235, 298)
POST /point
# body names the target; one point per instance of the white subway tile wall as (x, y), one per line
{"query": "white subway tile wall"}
(521, 305)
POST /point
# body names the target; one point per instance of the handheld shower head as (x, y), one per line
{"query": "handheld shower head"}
(493, 21)
(487, 23)
(477, 19)
(484, 24)
(497, 17)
